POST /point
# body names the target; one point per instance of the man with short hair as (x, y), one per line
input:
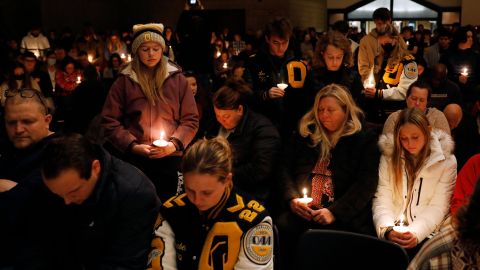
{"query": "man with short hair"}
(433, 53)
(370, 52)
(444, 91)
(111, 206)
(280, 83)
(27, 121)
(418, 96)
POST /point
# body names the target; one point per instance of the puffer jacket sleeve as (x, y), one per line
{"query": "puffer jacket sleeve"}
(434, 213)
(383, 208)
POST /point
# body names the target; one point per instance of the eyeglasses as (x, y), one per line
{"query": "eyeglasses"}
(28, 93)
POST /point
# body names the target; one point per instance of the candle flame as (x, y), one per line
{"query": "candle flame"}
(305, 192)
(90, 58)
(401, 220)
(370, 81)
(122, 56)
(162, 135)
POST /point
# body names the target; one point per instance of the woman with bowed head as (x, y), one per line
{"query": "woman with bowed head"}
(212, 225)
(151, 101)
(416, 180)
(335, 160)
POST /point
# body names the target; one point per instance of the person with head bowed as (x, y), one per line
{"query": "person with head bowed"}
(212, 225)
(151, 100)
(333, 160)
(416, 180)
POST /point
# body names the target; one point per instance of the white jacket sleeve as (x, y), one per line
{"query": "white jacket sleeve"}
(434, 213)
(408, 76)
(256, 250)
(384, 212)
(163, 254)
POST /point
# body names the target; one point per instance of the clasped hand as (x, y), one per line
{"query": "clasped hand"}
(153, 152)
(405, 240)
(321, 216)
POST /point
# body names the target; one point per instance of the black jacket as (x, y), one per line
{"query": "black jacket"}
(256, 146)
(112, 229)
(265, 71)
(354, 166)
(344, 76)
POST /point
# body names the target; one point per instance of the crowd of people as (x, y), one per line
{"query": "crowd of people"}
(125, 152)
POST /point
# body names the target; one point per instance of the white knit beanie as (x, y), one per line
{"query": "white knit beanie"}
(147, 32)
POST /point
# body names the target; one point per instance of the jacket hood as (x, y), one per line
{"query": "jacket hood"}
(129, 72)
(441, 145)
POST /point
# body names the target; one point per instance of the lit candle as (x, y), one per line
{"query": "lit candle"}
(370, 81)
(160, 142)
(408, 43)
(129, 57)
(79, 79)
(90, 58)
(305, 199)
(218, 54)
(401, 228)
(282, 85)
(225, 65)
(464, 71)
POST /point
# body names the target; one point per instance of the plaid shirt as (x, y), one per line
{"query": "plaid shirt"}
(435, 253)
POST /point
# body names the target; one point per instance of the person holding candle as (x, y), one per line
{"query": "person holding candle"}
(397, 71)
(333, 63)
(335, 157)
(275, 64)
(151, 95)
(213, 225)
(462, 63)
(416, 180)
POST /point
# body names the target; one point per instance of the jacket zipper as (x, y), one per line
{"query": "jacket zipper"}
(419, 190)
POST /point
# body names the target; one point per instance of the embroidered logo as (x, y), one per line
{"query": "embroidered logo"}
(258, 243)
(147, 37)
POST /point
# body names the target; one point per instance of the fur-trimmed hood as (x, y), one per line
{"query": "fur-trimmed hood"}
(441, 145)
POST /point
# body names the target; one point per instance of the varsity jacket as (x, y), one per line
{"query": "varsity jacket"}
(234, 234)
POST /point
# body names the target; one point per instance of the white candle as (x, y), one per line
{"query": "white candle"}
(464, 71)
(305, 199)
(282, 85)
(160, 142)
(90, 58)
(79, 79)
(218, 54)
(225, 65)
(122, 56)
(129, 57)
(401, 228)
(370, 81)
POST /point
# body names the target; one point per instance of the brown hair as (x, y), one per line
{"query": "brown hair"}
(337, 40)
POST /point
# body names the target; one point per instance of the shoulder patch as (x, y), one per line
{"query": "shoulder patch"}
(410, 70)
(258, 243)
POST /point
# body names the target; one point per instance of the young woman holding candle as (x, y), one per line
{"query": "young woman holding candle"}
(151, 95)
(336, 159)
(416, 180)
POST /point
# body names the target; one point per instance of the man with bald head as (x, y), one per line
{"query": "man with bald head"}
(444, 91)
(464, 131)
(27, 121)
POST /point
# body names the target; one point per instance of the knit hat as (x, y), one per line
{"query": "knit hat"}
(147, 32)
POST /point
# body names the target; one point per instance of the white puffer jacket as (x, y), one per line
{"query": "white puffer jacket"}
(432, 189)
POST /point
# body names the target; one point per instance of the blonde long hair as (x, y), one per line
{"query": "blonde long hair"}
(310, 125)
(400, 156)
(151, 80)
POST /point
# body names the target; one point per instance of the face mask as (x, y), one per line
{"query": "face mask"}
(388, 48)
(51, 61)
(19, 77)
